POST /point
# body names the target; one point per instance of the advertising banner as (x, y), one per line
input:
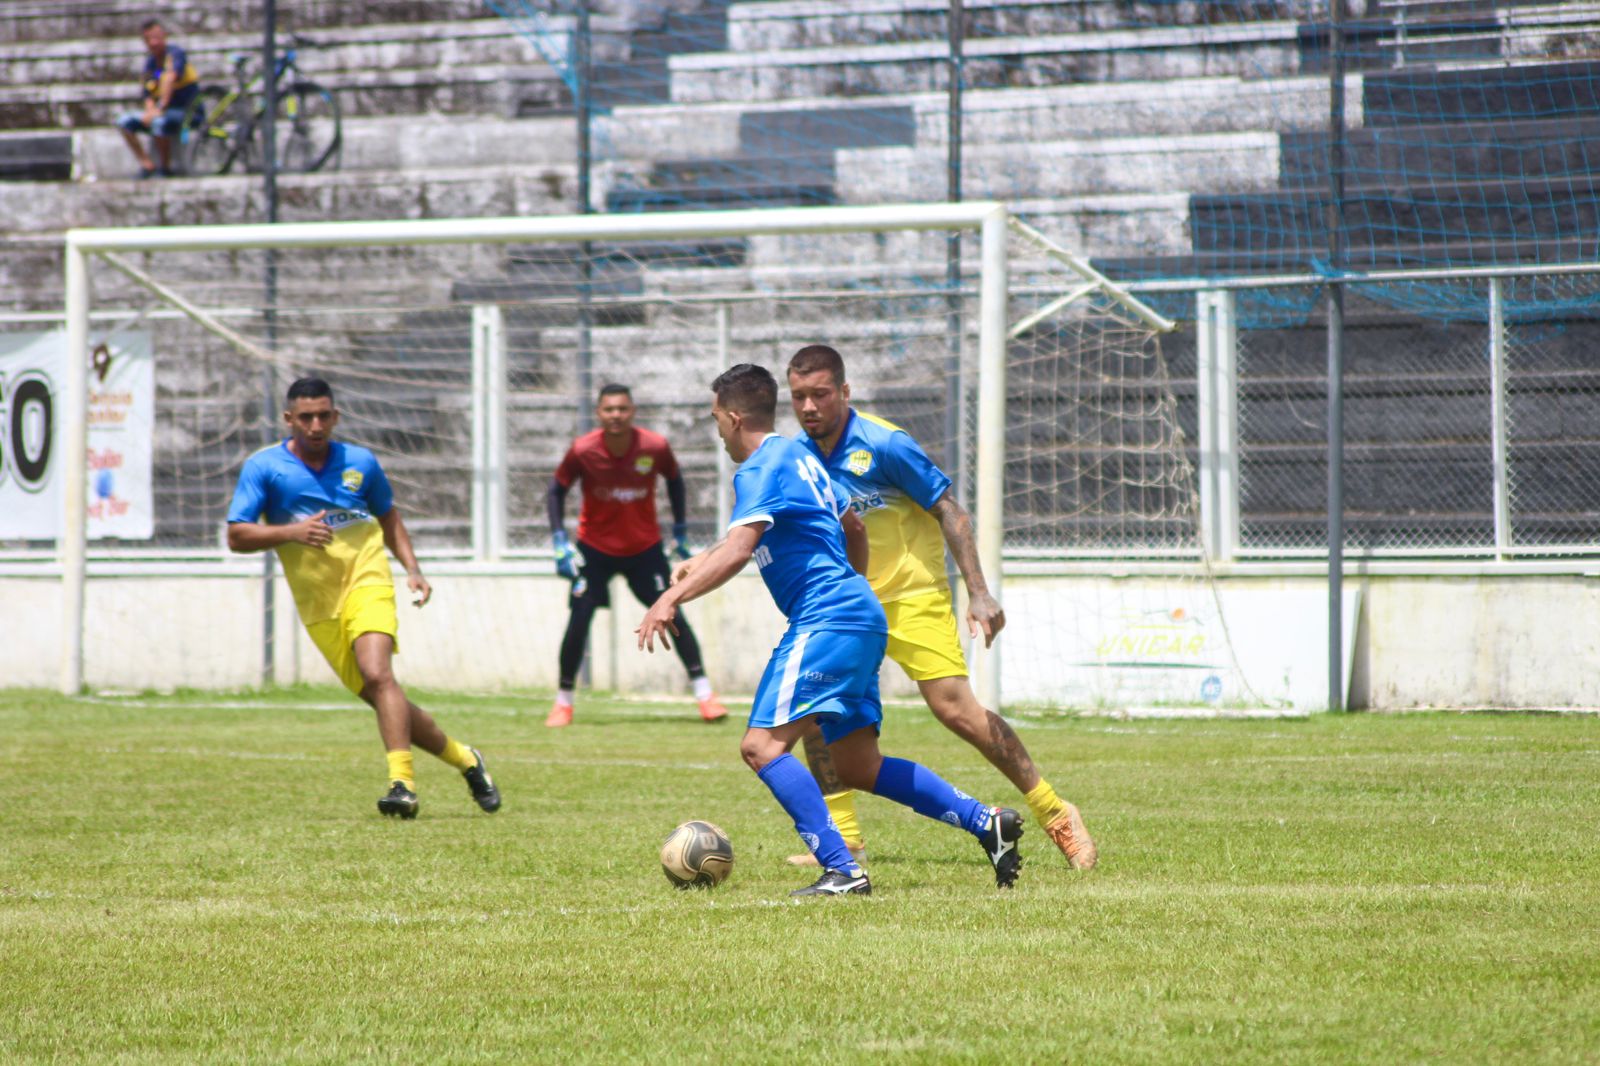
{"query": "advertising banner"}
(121, 436)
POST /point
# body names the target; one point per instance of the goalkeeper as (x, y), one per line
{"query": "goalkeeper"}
(327, 509)
(904, 501)
(618, 534)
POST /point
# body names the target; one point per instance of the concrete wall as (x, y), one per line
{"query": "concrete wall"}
(1495, 640)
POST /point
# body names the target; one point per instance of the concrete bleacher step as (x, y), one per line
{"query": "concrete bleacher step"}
(35, 156)
(1474, 94)
(790, 24)
(54, 20)
(409, 142)
(379, 194)
(444, 46)
(1259, 49)
(1219, 162)
(507, 91)
(1471, 213)
(1511, 151)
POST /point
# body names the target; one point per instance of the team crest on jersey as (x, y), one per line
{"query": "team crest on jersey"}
(352, 479)
(860, 462)
(644, 464)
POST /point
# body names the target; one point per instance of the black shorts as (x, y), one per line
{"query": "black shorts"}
(647, 573)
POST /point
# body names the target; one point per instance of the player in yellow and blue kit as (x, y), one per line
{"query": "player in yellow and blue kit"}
(904, 501)
(788, 518)
(327, 508)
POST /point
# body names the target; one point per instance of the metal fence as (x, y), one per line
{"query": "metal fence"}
(1469, 433)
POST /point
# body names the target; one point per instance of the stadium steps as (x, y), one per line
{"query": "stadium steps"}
(1542, 91)
(508, 91)
(1260, 49)
(36, 156)
(55, 20)
(645, 77)
(416, 143)
(362, 47)
(1509, 151)
(44, 207)
(791, 24)
(1101, 166)
(1466, 213)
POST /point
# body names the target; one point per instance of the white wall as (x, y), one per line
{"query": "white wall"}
(1448, 641)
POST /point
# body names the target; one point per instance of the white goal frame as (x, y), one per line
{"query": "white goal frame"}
(990, 220)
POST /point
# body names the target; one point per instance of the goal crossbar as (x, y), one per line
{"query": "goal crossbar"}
(988, 219)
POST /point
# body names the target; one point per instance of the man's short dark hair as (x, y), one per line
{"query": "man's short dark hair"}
(750, 390)
(308, 389)
(815, 357)
(614, 389)
(147, 25)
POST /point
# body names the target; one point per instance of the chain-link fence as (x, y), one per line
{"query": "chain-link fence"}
(1469, 409)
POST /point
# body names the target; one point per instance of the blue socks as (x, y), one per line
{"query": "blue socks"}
(914, 785)
(794, 787)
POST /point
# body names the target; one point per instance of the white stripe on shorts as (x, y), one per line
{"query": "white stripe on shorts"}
(791, 677)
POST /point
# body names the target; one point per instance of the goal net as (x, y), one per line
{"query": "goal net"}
(467, 355)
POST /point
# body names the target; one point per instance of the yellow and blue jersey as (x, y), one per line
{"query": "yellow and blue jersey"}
(892, 483)
(185, 79)
(801, 553)
(277, 487)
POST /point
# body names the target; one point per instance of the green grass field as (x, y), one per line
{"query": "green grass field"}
(201, 878)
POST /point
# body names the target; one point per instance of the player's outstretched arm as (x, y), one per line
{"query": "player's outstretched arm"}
(984, 613)
(398, 541)
(311, 531)
(716, 566)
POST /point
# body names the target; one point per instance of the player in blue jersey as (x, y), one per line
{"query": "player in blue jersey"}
(811, 552)
(326, 508)
(905, 503)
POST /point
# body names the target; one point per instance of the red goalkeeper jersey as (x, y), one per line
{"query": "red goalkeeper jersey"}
(618, 515)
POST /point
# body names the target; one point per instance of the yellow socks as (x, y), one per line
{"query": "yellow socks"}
(400, 768)
(842, 805)
(1045, 804)
(457, 754)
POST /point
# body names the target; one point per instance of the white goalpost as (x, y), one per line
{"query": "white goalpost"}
(434, 327)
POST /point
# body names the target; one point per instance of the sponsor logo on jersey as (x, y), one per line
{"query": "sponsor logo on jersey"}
(352, 479)
(870, 502)
(763, 556)
(623, 495)
(336, 519)
(860, 462)
(644, 464)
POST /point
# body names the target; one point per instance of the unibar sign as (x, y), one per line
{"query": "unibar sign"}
(121, 414)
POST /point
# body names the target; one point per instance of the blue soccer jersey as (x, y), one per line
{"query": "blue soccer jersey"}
(277, 487)
(801, 553)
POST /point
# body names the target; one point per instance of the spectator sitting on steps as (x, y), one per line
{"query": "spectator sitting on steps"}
(170, 83)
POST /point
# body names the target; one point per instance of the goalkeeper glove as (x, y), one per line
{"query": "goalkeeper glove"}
(680, 539)
(566, 557)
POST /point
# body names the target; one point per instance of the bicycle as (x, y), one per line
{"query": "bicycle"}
(308, 130)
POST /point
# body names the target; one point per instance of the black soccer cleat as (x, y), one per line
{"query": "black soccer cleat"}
(837, 883)
(1000, 844)
(481, 784)
(400, 800)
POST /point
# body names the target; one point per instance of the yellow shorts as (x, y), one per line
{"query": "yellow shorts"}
(923, 637)
(367, 609)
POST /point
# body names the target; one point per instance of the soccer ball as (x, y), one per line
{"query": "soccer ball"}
(697, 855)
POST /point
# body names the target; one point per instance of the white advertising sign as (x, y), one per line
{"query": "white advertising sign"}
(121, 434)
(1132, 644)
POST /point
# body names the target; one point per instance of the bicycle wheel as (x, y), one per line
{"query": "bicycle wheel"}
(308, 130)
(208, 146)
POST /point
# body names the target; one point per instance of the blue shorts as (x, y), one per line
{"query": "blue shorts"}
(167, 124)
(832, 674)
